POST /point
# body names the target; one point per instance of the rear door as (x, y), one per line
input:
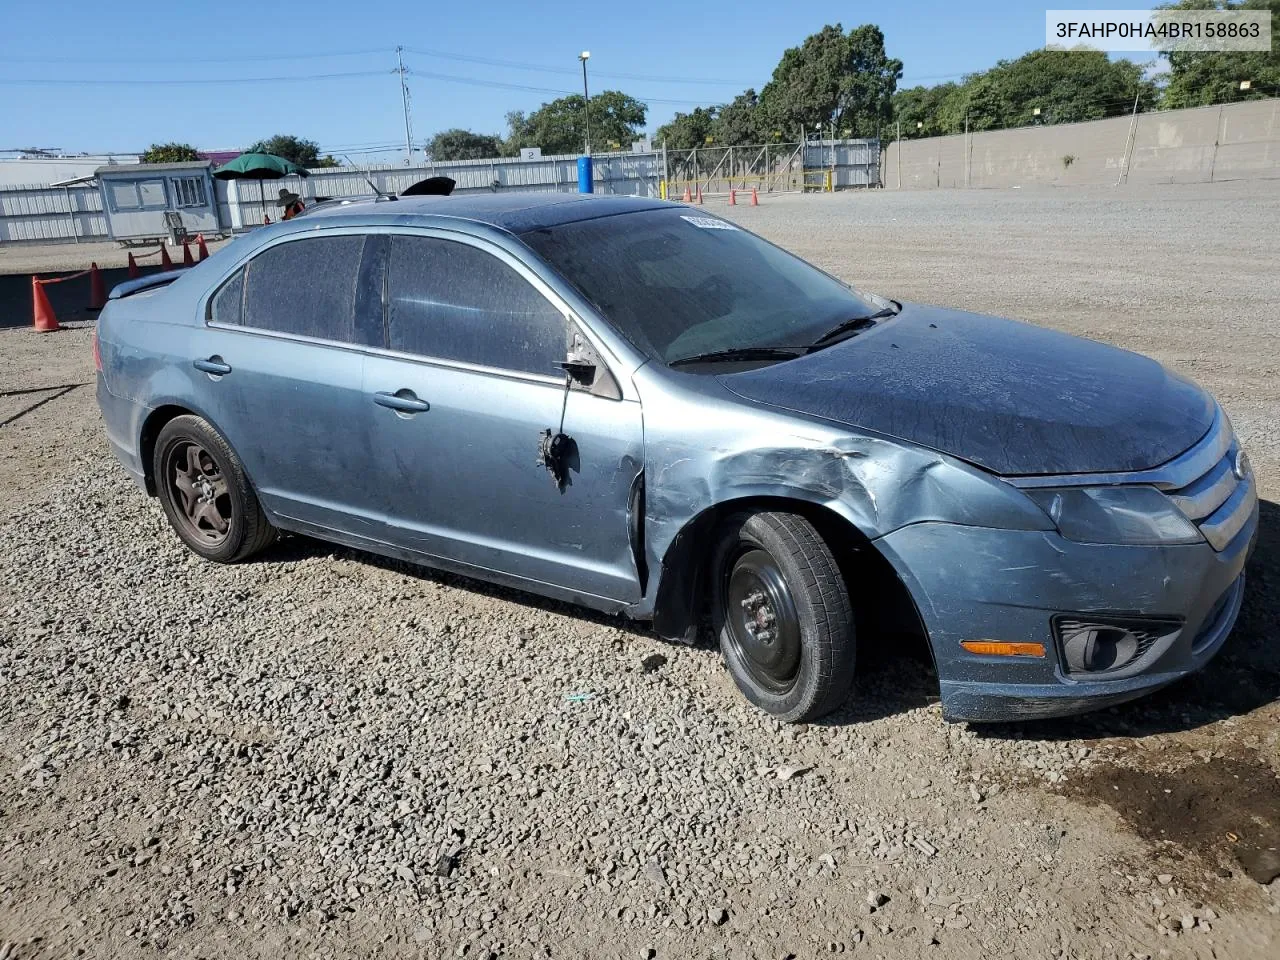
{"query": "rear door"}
(279, 363)
(477, 342)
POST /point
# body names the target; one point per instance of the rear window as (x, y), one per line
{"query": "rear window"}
(306, 288)
(677, 282)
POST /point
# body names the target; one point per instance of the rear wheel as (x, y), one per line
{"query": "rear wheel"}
(783, 615)
(205, 494)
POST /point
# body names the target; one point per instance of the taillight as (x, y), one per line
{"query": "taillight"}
(97, 354)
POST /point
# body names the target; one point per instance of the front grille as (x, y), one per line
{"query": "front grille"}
(1219, 500)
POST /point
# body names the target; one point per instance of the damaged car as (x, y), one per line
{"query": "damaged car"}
(641, 408)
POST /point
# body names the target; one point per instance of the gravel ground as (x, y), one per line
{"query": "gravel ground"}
(326, 754)
(55, 257)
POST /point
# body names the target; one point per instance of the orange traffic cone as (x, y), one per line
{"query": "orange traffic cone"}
(201, 247)
(187, 259)
(699, 195)
(97, 289)
(733, 198)
(134, 272)
(165, 260)
(687, 195)
(755, 197)
(41, 309)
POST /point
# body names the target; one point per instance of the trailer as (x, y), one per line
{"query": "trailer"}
(155, 201)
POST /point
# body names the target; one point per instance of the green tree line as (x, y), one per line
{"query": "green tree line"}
(847, 82)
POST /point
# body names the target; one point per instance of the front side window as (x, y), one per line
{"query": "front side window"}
(453, 301)
(306, 288)
(678, 283)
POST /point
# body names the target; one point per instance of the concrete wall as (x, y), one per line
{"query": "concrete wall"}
(1239, 141)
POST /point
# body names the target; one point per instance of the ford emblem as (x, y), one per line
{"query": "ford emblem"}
(1240, 467)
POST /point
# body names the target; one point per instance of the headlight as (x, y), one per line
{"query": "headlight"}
(1118, 515)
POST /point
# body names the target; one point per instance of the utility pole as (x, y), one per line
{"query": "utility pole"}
(584, 56)
(404, 99)
(966, 149)
(898, 144)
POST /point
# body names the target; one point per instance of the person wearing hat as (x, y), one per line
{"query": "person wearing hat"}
(292, 204)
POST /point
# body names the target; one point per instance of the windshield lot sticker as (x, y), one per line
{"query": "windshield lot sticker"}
(709, 223)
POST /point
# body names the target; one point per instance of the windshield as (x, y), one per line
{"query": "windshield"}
(678, 283)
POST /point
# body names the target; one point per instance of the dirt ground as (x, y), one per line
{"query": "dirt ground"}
(326, 754)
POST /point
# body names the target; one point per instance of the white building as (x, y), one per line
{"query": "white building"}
(42, 171)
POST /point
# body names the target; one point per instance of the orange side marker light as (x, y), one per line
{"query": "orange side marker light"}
(1001, 648)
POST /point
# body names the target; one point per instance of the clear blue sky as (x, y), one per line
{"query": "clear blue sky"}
(67, 66)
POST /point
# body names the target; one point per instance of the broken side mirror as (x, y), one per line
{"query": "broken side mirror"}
(585, 371)
(580, 370)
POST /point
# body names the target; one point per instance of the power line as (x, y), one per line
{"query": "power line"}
(260, 58)
(198, 81)
(544, 68)
(528, 88)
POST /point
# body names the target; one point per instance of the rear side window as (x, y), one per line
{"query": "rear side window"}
(228, 302)
(306, 288)
(456, 302)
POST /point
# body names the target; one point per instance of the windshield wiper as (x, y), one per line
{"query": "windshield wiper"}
(851, 326)
(740, 353)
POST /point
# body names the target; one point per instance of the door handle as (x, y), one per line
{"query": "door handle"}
(213, 365)
(404, 401)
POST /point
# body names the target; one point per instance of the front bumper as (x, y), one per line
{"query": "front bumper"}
(976, 583)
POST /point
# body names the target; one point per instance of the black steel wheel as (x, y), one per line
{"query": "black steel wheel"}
(783, 615)
(205, 494)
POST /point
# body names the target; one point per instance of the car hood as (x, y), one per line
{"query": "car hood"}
(1008, 396)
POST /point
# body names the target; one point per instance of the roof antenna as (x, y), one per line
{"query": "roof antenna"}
(369, 180)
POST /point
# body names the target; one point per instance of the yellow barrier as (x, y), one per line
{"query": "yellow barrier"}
(818, 180)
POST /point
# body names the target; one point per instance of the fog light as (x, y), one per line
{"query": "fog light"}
(1101, 646)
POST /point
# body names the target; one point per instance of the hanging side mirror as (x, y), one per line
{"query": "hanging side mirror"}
(584, 369)
(580, 370)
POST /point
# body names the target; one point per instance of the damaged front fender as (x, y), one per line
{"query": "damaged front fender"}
(736, 451)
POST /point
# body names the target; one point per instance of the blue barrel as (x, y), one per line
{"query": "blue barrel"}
(584, 175)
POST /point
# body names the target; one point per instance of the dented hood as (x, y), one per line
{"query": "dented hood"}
(1008, 396)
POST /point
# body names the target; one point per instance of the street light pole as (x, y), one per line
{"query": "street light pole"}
(584, 56)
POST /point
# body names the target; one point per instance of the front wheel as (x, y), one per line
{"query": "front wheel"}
(205, 494)
(783, 615)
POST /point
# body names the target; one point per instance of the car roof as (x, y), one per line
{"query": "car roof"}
(516, 212)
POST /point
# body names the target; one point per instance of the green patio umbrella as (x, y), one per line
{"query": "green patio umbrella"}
(259, 166)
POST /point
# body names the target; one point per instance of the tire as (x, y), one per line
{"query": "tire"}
(783, 616)
(205, 494)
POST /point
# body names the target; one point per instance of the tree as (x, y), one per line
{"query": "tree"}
(833, 77)
(458, 144)
(688, 130)
(867, 86)
(557, 127)
(1065, 86)
(305, 153)
(927, 106)
(170, 153)
(740, 122)
(1201, 78)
